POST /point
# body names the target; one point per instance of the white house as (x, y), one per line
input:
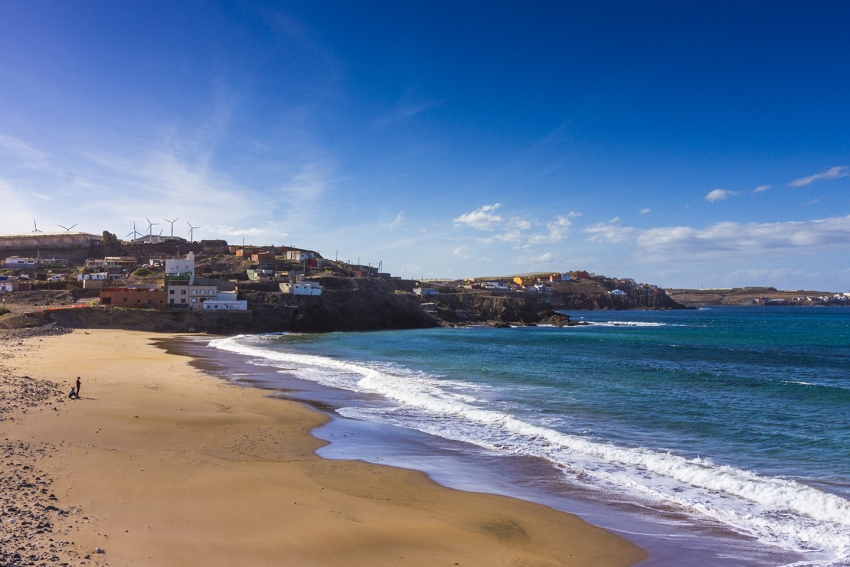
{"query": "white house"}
(299, 255)
(92, 276)
(16, 263)
(425, 291)
(617, 292)
(181, 269)
(214, 305)
(301, 288)
(189, 296)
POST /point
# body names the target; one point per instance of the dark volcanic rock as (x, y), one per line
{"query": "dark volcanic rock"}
(556, 319)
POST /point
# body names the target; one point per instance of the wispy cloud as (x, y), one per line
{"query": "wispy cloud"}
(729, 241)
(408, 107)
(761, 276)
(40, 196)
(547, 258)
(398, 220)
(19, 148)
(832, 173)
(643, 211)
(517, 232)
(483, 218)
(761, 188)
(610, 231)
(233, 231)
(557, 230)
(720, 195)
(462, 252)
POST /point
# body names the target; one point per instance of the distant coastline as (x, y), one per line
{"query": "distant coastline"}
(753, 296)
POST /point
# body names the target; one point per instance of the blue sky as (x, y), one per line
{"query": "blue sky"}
(684, 144)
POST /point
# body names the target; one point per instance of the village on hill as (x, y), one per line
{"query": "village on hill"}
(274, 286)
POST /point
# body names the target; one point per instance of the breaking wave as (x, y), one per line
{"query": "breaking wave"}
(777, 511)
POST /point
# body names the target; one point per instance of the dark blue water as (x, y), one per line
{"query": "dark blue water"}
(735, 416)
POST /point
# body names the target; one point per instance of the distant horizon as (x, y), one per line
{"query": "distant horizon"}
(670, 143)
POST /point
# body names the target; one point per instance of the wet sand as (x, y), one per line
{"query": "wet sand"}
(161, 464)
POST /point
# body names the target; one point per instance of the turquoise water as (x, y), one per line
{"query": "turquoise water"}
(737, 416)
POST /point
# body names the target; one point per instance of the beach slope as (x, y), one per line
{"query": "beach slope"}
(161, 464)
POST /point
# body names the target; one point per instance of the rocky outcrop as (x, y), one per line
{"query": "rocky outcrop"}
(593, 295)
(555, 319)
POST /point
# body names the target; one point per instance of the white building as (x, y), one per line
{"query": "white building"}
(299, 255)
(425, 291)
(301, 288)
(181, 269)
(92, 276)
(16, 263)
(237, 305)
(617, 292)
(189, 296)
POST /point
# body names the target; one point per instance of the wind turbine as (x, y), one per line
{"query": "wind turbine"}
(68, 228)
(35, 227)
(134, 233)
(150, 229)
(172, 224)
(191, 231)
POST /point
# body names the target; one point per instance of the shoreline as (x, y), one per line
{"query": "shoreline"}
(670, 536)
(204, 472)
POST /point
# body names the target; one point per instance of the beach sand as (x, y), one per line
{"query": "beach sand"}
(161, 464)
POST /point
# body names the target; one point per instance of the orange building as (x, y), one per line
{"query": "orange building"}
(136, 297)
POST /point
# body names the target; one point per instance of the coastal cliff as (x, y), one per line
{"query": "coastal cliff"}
(360, 304)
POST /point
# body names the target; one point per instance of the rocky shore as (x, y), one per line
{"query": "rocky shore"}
(34, 529)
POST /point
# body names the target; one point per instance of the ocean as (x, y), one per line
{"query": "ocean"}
(716, 436)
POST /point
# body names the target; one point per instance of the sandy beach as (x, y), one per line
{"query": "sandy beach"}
(161, 464)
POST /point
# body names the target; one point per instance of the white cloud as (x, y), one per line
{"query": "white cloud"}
(719, 195)
(643, 211)
(40, 196)
(462, 252)
(398, 219)
(761, 276)
(519, 223)
(610, 231)
(20, 149)
(761, 188)
(573, 214)
(511, 237)
(546, 258)
(729, 241)
(481, 219)
(559, 228)
(233, 231)
(832, 173)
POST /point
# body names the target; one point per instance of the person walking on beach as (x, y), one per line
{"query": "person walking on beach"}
(78, 387)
